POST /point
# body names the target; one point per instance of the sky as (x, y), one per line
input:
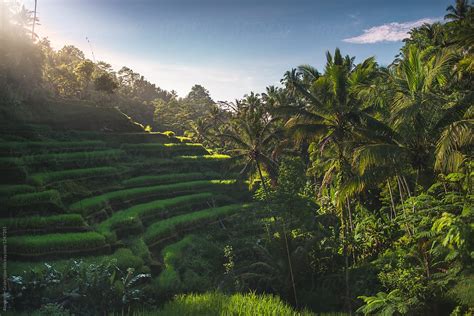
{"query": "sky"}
(230, 47)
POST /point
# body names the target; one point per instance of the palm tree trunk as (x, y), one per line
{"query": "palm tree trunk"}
(400, 188)
(284, 234)
(34, 22)
(391, 199)
(264, 185)
(346, 261)
(290, 265)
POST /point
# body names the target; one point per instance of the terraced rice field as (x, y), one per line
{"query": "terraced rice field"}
(99, 196)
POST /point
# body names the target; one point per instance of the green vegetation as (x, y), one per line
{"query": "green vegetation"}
(93, 204)
(12, 148)
(50, 177)
(124, 259)
(361, 176)
(50, 197)
(55, 244)
(220, 304)
(166, 150)
(79, 158)
(42, 223)
(156, 209)
(169, 279)
(169, 178)
(174, 224)
(10, 190)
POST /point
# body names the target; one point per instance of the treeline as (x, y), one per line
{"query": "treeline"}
(32, 71)
(366, 172)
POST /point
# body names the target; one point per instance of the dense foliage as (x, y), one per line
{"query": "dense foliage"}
(362, 176)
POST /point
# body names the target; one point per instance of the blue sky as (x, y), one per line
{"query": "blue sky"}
(230, 47)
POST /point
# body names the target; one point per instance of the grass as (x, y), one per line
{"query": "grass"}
(165, 227)
(166, 150)
(35, 198)
(47, 146)
(169, 178)
(184, 139)
(206, 157)
(248, 304)
(39, 245)
(56, 176)
(7, 191)
(169, 279)
(96, 203)
(42, 222)
(81, 158)
(124, 258)
(153, 209)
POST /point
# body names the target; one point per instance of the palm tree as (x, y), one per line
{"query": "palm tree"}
(254, 138)
(458, 11)
(332, 111)
(420, 110)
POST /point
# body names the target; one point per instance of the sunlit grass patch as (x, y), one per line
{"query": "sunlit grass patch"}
(163, 228)
(249, 304)
(44, 178)
(204, 157)
(55, 244)
(93, 204)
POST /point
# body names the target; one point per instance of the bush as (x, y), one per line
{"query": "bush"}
(219, 304)
(169, 279)
(49, 177)
(163, 228)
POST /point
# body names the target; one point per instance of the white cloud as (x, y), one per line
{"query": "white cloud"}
(390, 32)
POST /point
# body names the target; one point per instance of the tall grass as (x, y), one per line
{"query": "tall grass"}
(169, 178)
(96, 203)
(249, 304)
(80, 158)
(168, 226)
(35, 198)
(48, 223)
(37, 245)
(47, 146)
(154, 209)
(166, 150)
(124, 259)
(56, 176)
(9, 190)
